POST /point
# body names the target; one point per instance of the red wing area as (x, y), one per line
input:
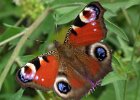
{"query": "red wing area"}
(39, 73)
(88, 26)
(91, 66)
(46, 74)
(80, 85)
(97, 70)
(97, 60)
(70, 85)
(88, 34)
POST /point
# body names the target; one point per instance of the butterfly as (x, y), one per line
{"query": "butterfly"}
(75, 67)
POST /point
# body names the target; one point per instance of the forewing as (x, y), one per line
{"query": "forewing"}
(88, 26)
(40, 72)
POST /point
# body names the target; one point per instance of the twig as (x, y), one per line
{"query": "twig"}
(20, 20)
(12, 38)
(21, 43)
(40, 94)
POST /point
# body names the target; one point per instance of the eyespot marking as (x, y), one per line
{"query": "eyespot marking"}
(100, 53)
(26, 73)
(89, 14)
(63, 87)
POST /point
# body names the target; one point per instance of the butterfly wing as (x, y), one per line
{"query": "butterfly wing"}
(97, 58)
(73, 77)
(70, 84)
(88, 26)
(40, 72)
(49, 71)
(85, 34)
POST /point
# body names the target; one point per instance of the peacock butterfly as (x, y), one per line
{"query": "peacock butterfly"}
(76, 66)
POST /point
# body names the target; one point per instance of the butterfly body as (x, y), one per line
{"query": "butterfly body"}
(77, 65)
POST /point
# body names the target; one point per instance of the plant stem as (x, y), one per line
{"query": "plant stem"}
(18, 61)
(40, 94)
(12, 38)
(21, 43)
(137, 89)
(117, 91)
(19, 21)
(129, 22)
(124, 93)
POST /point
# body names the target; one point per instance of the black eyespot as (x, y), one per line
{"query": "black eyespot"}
(22, 78)
(100, 53)
(96, 9)
(63, 87)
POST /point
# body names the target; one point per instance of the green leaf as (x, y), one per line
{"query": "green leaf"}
(6, 96)
(14, 66)
(27, 58)
(115, 61)
(112, 77)
(10, 11)
(132, 3)
(66, 9)
(68, 16)
(118, 86)
(10, 31)
(115, 29)
(17, 95)
(107, 94)
(3, 60)
(62, 3)
(114, 7)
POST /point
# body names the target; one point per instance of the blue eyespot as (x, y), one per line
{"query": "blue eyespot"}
(22, 78)
(25, 74)
(100, 53)
(63, 87)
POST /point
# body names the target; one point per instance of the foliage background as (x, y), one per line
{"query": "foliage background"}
(20, 17)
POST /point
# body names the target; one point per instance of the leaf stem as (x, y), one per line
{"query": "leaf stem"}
(137, 89)
(40, 94)
(20, 20)
(125, 89)
(21, 43)
(129, 22)
(12, 38)
(117, 91)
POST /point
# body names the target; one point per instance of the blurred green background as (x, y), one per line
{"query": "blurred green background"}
(17, 17)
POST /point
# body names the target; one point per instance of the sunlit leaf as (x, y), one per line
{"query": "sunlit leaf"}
(112, 77)
(68, 16)
(115, 29)
(17, 95)
(10, 31)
